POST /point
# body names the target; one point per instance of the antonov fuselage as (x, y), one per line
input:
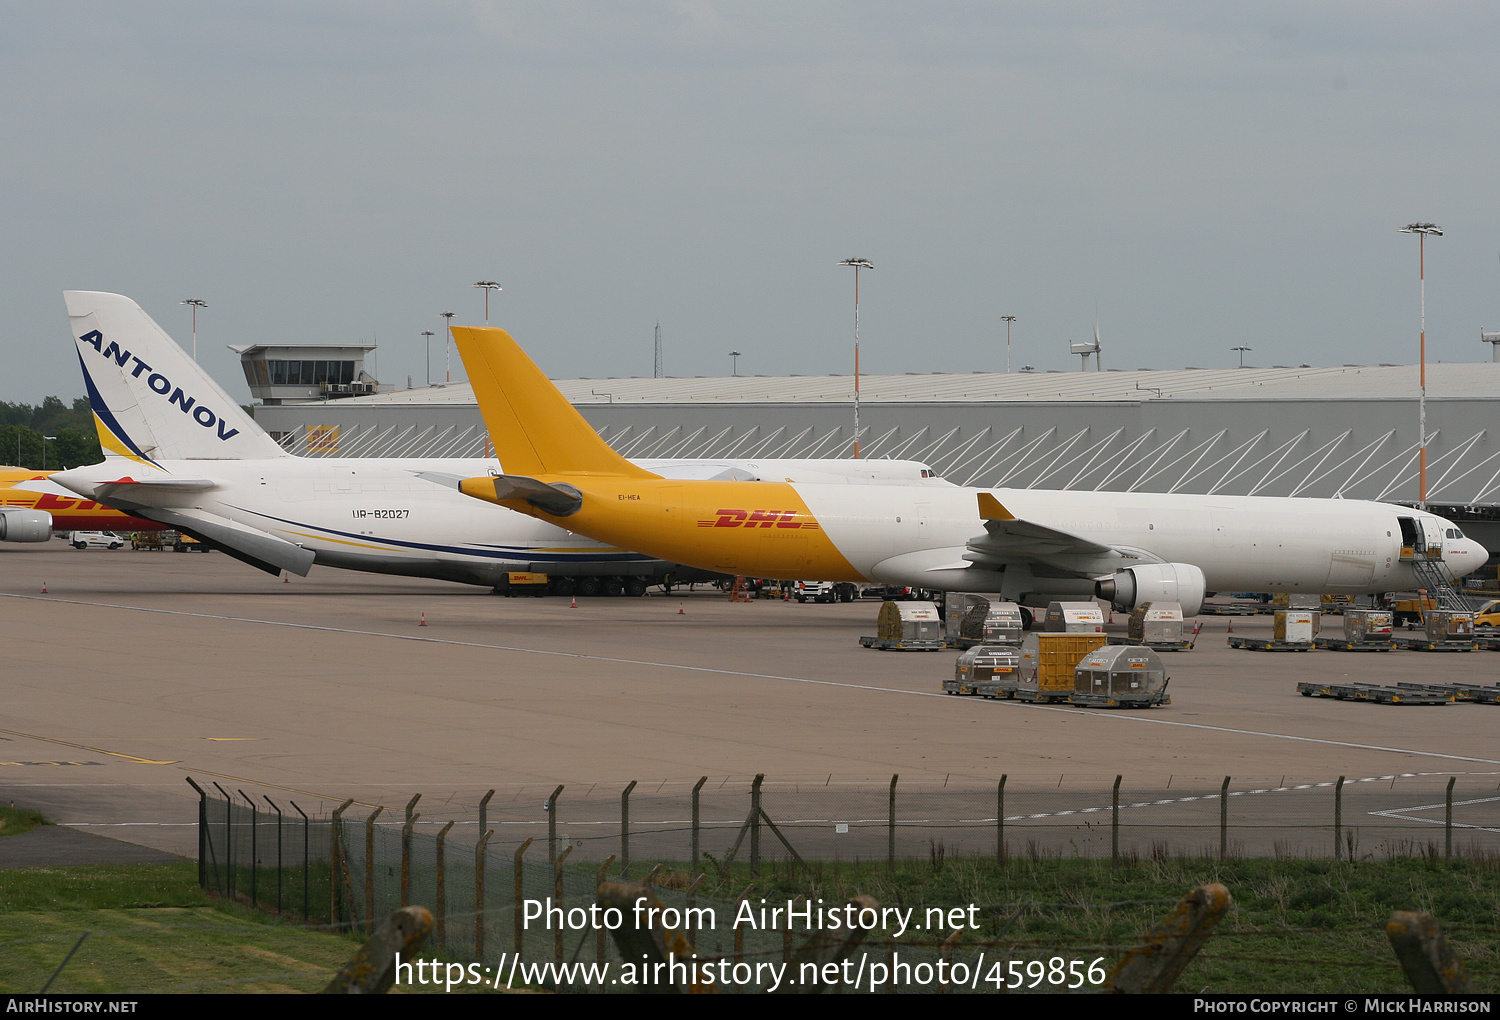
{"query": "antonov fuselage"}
(181, 452)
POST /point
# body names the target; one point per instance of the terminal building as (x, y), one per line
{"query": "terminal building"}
(1346, 432)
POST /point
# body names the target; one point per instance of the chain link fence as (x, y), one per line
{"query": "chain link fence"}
(511, 881)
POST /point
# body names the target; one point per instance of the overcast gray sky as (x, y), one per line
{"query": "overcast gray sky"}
(1206, 175)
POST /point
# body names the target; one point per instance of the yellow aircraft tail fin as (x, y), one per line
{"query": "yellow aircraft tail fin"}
(534, 428)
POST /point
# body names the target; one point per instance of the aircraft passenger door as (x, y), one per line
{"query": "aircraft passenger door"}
(1432, 534)
(677, 517)
(1411, 537)
(1223, 531)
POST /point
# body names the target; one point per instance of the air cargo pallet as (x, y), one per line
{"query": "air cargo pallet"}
(1155, 646)
(1405, 696)
(1105, 701)
(1334, 644)
(1421, 643)
(1269, 645)
(896, 645)
(1476, 693)
(1343, 692)
(996, 690)
(1044, 697)
(1235, 609)
(1373, 692)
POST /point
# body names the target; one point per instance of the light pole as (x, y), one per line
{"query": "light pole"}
(487, 286)
(734, 363)
(1422, 230)
(44, 450)
(197, 304)
(429, 334)
(1242, 351)
(1007, 319)
(447, 351)
(857, 264)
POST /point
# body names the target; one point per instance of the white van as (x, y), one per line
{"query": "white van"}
(95, 540)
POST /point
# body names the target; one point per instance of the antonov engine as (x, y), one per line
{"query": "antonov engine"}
(25, 526)
(1156, 582)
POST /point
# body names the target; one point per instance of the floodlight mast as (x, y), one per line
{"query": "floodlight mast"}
(1007, 319)
(448, 346)
(429, 334)
(1422, 230)
(857, 264)
(197, 304)
(487, 286)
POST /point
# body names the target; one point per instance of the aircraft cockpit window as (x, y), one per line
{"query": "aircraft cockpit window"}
(1454, 533)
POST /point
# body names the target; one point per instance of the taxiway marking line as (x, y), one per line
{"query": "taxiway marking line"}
(86, 747)
(1077, 713)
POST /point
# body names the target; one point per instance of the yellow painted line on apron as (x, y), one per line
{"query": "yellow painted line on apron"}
(96, 750)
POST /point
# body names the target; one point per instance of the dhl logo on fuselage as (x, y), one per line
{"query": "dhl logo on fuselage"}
(160, 384)
(47, 501)
(756, 519)
(73, 513)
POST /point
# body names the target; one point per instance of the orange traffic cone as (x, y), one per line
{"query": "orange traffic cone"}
(424, 621)
(680, 610)
(286, 578)
(575, 603)
(44, 587)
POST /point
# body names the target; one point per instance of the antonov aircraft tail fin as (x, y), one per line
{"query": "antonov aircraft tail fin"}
(152, 402)
(534, 428)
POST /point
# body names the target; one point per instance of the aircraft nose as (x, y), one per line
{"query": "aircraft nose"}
(1465, 557)
(1476, 554)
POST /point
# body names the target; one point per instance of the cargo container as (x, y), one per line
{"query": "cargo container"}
(1047, 664)
(907, 627)
(1120, 676)
(987, 670)
(1074, 618)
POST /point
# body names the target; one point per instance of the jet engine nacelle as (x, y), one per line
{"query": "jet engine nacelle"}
(1156, 582)
(25, 526)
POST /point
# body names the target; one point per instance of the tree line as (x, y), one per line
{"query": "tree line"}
(71, 439)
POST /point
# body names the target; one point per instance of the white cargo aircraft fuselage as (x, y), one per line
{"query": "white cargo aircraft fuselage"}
(1025, 544)
(181, 452)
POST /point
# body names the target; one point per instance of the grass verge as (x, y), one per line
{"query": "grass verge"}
(14, 820)
(1295, 925)
(151, 929)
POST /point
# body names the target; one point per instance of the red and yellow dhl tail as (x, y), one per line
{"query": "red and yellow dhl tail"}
(68, 512)
(564, 474)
